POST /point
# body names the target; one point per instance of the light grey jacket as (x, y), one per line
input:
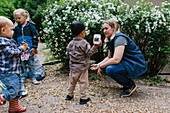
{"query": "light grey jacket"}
(79, 52)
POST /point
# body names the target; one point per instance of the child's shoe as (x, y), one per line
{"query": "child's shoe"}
(84, 101)
(68, 97)
(34, 81)
(23, 80)
(24, 92)
(2, 102)
(14, 107)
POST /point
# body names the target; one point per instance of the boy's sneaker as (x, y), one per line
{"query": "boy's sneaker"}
(68, 97)
(84, 101)
(128, 91)
(34, 81)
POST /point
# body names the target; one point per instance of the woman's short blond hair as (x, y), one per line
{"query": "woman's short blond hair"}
(3, 22)
(116, 28)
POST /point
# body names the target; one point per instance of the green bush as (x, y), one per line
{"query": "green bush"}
(146, 24)
(6, 9)
(59, 16)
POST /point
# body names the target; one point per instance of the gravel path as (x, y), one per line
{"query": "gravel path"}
(49, 96)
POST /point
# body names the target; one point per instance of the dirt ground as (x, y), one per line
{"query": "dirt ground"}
(49, 96)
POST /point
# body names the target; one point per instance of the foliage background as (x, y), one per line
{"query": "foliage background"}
(6, 8)
(146, 24)
(34, 7)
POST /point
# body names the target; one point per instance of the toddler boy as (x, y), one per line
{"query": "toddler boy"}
(10, 66)
(79, 52)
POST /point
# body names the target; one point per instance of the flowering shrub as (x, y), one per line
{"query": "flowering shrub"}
(146, 24)
(59, 16)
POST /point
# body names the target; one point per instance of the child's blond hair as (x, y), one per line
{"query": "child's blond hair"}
(3, 22)
(112, 23)
(23, 12)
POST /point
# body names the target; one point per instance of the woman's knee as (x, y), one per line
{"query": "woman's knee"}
(115, 70)
(110, 70)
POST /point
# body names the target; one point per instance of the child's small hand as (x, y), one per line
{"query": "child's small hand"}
(22, 43)
(97, 45)
(24, 46)
(33, 51)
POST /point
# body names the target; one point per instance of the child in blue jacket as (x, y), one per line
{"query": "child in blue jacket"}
(26, 32)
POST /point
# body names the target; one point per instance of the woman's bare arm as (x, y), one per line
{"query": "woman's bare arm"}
(117, 57)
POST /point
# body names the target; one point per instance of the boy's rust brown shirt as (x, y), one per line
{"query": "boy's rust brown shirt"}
(79, 52)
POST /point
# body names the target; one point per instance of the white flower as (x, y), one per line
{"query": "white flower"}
(137, 26)
(87, 32)
(64, 18)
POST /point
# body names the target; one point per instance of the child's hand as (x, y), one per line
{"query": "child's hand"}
(24, 46)
(32, 51)
(97, 45)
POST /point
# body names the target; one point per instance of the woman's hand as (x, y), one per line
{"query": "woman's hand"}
(32, 51)
(94, 66)
(99, 72)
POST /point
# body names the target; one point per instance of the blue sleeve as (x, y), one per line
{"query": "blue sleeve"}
(14, 35)
(34, 36)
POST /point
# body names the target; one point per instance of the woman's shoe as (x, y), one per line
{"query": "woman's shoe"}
(128, 92)
(14, 107)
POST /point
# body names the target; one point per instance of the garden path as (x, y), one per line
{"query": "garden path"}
(49, 96)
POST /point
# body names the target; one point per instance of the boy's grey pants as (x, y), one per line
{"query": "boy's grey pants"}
(82, 78)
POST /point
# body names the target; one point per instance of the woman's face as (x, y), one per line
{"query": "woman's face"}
(108, 30)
